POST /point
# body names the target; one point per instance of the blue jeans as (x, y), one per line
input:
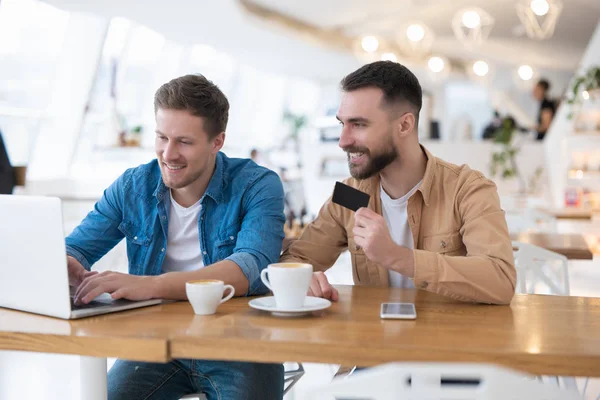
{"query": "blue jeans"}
(218, 380)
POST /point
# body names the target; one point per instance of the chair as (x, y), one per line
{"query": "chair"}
(449, 381)
(291, 376)
(540, 271)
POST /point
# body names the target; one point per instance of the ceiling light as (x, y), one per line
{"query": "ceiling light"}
(539, 17)
(415, 32)
(472, 26)
(540, 7)
(389, 57)
(481, 68)
(436, 64)
(525, 72)
(415, 39)
(471, 19)
(370, 44)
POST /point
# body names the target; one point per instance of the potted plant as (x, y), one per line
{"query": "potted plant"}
(589, 82)
(504, 162)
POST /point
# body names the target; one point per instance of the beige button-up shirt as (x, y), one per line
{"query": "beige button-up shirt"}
(462, 246)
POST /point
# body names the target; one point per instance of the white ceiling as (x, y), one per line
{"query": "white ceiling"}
(563, 51)
(224, 25)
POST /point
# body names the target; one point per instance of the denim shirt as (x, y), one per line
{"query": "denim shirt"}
(241, 220)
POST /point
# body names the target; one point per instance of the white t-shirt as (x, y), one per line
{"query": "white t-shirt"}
(395, 212)
(183, 244)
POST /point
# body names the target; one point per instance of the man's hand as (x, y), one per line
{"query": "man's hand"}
(76, 272)
(372, 235)
(320, 287)
(120, 286)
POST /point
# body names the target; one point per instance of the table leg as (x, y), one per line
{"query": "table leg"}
(93, 378)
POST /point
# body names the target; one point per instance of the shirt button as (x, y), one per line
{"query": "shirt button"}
(424, 284)
(443, 244)
(201, 218)
(204, 252)
(231, 238)
(163, 217)
(135, 238)
(163, 249)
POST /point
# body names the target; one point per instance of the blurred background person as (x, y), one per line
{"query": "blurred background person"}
(547, 108)
(489, 132)
(7, 180)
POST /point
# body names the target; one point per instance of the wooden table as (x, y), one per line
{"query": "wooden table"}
(544, 335)
(547, 335)
(571, 245)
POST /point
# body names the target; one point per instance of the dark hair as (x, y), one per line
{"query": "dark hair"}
(395, 80)
(544, 84)
(199, 96)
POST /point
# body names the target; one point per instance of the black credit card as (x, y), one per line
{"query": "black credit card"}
(349, 197)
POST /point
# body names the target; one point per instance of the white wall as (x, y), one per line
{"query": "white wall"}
(556, 144)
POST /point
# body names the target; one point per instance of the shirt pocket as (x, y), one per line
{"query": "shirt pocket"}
(226, 244)
(359, 262)
(449, 244)
(138, 243)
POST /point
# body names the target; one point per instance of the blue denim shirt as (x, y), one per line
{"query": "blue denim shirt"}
(241, 220)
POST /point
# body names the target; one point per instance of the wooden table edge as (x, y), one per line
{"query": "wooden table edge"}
(135, 349)
(269, 352)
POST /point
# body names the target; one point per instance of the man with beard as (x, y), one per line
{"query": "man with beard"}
(429, 224)
(192, 213)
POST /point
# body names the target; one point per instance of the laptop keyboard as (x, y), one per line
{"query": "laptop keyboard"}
(96, 304)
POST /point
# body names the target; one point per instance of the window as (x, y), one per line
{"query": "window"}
(32, 38)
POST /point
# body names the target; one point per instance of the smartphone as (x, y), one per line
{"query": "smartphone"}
(398, 311)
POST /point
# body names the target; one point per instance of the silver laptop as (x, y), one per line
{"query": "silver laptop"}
(33, 262)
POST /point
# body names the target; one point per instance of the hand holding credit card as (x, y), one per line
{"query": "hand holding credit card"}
(349, 197)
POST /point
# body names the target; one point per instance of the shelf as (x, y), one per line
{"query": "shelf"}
(589, 181)
(568, 212)
(584, 134)
(580, 174)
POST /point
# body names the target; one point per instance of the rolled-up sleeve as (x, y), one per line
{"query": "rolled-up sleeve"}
(261, 234)
(98, 233)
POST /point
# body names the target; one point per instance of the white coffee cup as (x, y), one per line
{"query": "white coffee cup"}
(289, 283)
(206, 295)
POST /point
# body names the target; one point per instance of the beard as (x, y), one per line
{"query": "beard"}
(375, 163)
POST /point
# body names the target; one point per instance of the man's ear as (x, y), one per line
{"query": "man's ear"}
(218, 142)
(406, 124)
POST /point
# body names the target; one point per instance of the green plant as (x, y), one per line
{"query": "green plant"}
(589, 80)
(504, 162)
(297, 122)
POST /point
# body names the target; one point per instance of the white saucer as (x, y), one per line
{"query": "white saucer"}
(310, 304)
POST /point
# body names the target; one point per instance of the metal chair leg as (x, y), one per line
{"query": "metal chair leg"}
(291, 377)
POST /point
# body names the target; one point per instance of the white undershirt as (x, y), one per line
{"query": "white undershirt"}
(395, 212)
(183, 244)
